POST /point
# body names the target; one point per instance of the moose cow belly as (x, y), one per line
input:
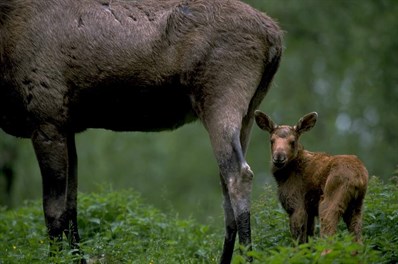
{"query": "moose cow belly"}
(123, 107)
(114, 65)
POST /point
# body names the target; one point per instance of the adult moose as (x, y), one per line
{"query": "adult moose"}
(134, 66)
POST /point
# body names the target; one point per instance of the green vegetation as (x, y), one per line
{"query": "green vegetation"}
(118, 227)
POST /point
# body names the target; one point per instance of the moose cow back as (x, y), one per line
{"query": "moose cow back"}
(67, 65)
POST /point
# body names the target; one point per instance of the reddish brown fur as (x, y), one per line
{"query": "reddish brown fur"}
(314, 184)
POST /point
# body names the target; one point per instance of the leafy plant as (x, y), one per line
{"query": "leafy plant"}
(118, 227)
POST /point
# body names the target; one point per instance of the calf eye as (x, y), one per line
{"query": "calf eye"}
(293, 143)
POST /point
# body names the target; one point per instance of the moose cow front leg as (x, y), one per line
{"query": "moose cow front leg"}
(56, 154)
(72, 232)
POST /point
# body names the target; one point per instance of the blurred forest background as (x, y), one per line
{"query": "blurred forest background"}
(340, 59)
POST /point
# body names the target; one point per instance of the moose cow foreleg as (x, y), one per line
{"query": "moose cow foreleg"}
(72, 231)
(56, 154)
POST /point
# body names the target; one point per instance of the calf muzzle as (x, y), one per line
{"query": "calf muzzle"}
(279, 160)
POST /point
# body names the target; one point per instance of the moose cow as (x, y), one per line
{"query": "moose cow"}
(134, 66)
(314, 183)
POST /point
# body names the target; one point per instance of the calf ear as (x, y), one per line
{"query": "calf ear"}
(264, 122)
(306, 122)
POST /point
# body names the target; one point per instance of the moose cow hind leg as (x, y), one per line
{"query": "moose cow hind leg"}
(235, 178)
(56, 154)
(236, 181)
(228, 128)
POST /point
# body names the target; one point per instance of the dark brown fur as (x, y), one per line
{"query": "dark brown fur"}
(134, 66)
(313, 183)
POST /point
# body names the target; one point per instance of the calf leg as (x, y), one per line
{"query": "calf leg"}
(310, 225)
(331, 208)
(353, 219)
(56, 155)
(329, 219)
(298, 221)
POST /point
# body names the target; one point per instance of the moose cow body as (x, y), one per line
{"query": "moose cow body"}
(67, 65)
(314, 184)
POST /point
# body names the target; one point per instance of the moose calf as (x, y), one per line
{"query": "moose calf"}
(314, 184)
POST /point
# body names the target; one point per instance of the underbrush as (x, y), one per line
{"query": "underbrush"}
(117, 227)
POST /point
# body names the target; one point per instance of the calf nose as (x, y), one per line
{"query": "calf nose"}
(279, 160)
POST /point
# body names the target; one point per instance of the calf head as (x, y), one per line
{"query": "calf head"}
(283, 138)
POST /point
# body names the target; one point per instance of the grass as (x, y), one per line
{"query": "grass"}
(118, 227)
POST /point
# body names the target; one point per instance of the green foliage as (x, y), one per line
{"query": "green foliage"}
(382, 218)
(118, 227)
